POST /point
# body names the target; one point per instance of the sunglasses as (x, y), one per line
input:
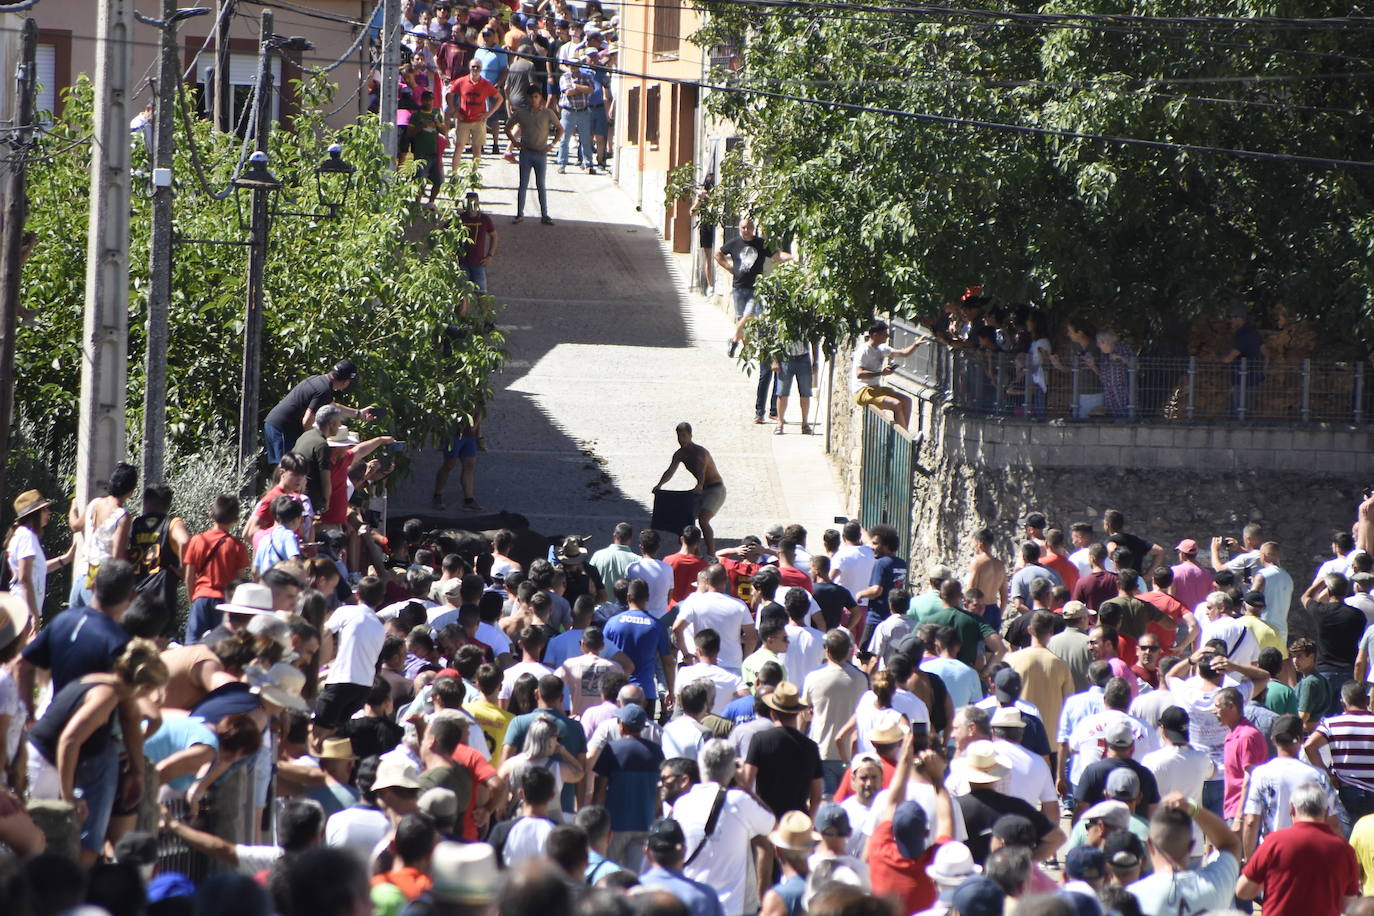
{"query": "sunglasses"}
(1146, 648)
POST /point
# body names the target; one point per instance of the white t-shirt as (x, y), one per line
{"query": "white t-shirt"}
(1271, 786)
(727, 685)
(869, 358)
(858, 823)
(359, 634)
(724, 860)
(10, 706)
(805, 652)
(683, 737)
(1241, 645)
(1088, 740)
(493, 636)
(1211, 887)
(1204, 728)
(659, 577)
(892, 629)
(358, 829)
(852, 568)
(432, 608)
(1180, 768)
(526, 840)
(866, 713)
(24, 543)
(722, 613)
(512, 674)
(1150, 705)
(503, 567)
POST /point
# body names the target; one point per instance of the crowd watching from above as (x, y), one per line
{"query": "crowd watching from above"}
(280, 708)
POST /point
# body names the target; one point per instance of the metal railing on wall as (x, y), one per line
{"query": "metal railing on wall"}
(1123, 387)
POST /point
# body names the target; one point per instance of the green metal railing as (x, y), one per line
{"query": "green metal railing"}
(885, 487)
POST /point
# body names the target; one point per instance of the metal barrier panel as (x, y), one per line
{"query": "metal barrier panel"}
(886, 484)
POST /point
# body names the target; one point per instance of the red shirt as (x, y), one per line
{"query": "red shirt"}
(740, 574)
(481, 772)
(1305, 868)
(686, 567)
(897, 877)
(1095, 588)
(1060, 564)
(1171, 606)
(216, 563)
(472, 97)
(793, 578)
(410, 881)
(338, 487)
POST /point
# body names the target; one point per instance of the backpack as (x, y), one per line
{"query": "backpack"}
(147, 549)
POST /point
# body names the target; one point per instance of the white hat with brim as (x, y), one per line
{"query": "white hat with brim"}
(343, 438)
(981, 765)
(464, 873)
(280, 685)
(249, 598)
(396, 774)
(953, 865)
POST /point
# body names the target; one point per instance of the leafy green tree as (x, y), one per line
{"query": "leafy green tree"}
(898, 214)
(353, 286)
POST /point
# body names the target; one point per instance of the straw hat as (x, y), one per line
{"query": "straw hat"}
(785, 698)
(14, 617)
(889, 727)
(795, 832)
(981, 765)
(29, 502)
(280, 685)
(337, 749)
(249, 598)
(464, 873)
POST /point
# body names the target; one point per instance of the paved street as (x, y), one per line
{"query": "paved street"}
(605, 358)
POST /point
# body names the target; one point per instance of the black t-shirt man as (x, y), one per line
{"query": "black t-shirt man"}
(788, 763)
(1339, 628)
(834, 600)
(982, 807)
(749, 259)
(1136, 547)
(311, 394)
(1093, 783)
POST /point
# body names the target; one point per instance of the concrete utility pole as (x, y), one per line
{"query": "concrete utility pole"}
(105, 340)
(223, 90)
(160, 254)
(257, 265)
(391, 65)
(15, 209)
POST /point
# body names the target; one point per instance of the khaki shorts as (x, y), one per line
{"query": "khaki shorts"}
(469, 132)
(870, 393)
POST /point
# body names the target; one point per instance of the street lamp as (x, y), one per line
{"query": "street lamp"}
(257, 177)
(339, 173)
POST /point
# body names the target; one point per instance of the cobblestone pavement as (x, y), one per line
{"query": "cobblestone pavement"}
(605, 357)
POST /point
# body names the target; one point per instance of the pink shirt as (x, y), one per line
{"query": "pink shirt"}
(1245, 748)
(1192, 584)
(596, 715)
(1122, 670)
(582, 676)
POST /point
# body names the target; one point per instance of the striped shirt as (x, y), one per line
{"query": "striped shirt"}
(1351, 740)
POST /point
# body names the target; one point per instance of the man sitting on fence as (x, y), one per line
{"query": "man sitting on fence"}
(871, 363)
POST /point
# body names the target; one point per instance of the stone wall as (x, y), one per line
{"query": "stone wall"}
(1172, 481)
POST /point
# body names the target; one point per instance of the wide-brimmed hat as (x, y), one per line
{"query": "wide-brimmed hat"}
(337, 749)
(343, 438)
(280, 685)
(571, 549)
(395, 773)
(249, 598)
(29, 502)
(953, 865)
(14, 617)
(889, 727)
(464, 873)
(1007, 717)
(795, 832)
(980, 763)
(785, 698)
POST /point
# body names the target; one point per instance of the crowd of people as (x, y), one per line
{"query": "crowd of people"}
(345, 723)
(531, 77)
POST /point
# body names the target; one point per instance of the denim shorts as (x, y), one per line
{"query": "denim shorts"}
(600, 125)
(478, 276)
(799, 369)
(745, 303)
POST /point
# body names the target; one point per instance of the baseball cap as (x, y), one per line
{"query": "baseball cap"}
(1085, 863)
(978, 896)
(1007, 685)
(1174, 721)
(1123, 784)
(830, 816)
(1119, 734)
(346, 368)
(940, 571)
(1015, 830)
(909, 826)
(1287, 729)
(1032, 520)
(775, 531)
(1187, 545)
(666, 834)
(1073, 610)
(1112, 813)
(1254, 598)
(1123, 849)
(632, 714)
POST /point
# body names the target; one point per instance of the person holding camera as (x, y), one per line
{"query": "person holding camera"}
(295, 413)
(872, 361)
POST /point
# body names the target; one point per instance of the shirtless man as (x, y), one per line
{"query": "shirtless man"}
(702, 466)
(987, 574)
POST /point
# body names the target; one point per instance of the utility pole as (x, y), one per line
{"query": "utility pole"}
(257, 266)
(16, 207)
(160, 254)
(391, 65)
(223, 91)
(105, 338)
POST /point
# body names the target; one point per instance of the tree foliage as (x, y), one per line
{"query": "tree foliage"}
(898, 214)
(352, 286)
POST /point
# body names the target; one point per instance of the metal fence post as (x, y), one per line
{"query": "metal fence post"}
(1026, 390)
(1132, 380)
(1359, 391)
(1244, 378)
(1073, 387)
(1306, 390)
(999, 382)
(1192, 386)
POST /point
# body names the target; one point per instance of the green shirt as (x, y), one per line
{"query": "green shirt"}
(749, 670)
(1314, 696)
(972, 631)
(924, 605)
(1280, 698)
(424, 142)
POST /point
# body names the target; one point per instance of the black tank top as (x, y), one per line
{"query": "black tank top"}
(47, 731)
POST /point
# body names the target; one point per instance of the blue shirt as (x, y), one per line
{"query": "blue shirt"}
(643, 639)
(741, 709)
(598, 78)
(280, 544)
(1021, 581)
(177, 734)
(701, 899)
(890, 573)
(630, 766)
(78, 642)
(570, 735)
(494, 63)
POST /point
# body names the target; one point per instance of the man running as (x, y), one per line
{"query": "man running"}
(710, 487)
